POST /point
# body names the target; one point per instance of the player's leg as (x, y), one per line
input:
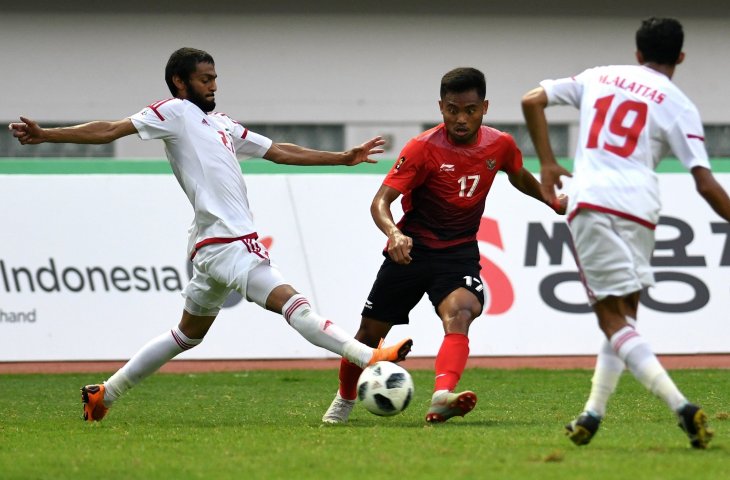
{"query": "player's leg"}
(609, 366)
(370, 333)
(266, 287)
(457, 293)
(153, 355)
(203, 297)
(396, 290)
(608, 263)
(457, 311)
(635, 351)
(606, 375)
(608, 370)
(627, 273)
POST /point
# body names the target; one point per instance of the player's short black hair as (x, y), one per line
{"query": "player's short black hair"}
(183, 62)
(660, 40)
(463, 79)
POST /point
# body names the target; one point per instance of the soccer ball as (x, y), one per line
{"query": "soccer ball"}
(385, 389)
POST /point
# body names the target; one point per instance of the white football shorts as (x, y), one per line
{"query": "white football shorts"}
(613, 254)
(219, 269)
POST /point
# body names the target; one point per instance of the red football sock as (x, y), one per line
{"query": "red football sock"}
(349, 373)
(451, 361)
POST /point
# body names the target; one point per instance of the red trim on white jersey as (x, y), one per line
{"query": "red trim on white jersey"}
(154, 107)
(255, 247)
(698, 137)
(245, 132)
(246, 239)
(598, 208)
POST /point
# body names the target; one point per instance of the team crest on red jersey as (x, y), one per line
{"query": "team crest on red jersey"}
(400, 162)
(491, 163)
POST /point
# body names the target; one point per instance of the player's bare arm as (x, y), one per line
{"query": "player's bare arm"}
(399, 245)
(526, 183)
(534, 103)
(290, 154)
(713, 193)
(29, 132)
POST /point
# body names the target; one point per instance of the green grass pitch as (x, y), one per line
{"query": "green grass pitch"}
(266, 424)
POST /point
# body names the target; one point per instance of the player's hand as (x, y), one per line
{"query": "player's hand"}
(550, 180)
(399, 248)
(361, 153)
(560, 204)
(28, 132)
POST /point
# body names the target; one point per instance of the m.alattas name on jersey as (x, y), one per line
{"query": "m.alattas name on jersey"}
(445, 185)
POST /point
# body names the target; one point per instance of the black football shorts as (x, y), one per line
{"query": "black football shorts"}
(398, 288)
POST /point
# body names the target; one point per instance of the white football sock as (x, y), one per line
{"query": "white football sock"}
(609, 368)
(322, 332)
(147, 361)
(644, 365)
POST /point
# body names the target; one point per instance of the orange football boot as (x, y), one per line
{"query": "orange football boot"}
(396, 353)
(92, 396)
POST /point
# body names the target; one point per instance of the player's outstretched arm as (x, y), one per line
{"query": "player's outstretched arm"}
(29, 132)
(534, 103)
(290, 154)
(713, 193)
(526, 183)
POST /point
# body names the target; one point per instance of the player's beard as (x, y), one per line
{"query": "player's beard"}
(201, 102)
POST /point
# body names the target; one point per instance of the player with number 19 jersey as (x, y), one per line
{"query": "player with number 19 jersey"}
(630, 117)
(445, 185)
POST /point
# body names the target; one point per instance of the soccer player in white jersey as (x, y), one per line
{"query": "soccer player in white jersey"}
(202, 148)
(630, 116)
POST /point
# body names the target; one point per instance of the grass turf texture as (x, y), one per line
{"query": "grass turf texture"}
(266, 424)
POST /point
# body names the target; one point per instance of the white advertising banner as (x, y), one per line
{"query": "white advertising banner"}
(91, 267)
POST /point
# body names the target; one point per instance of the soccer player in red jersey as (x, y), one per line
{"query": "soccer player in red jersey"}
(444, 176)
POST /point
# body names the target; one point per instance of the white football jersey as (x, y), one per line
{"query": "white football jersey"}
(202, 149)
(630, 117)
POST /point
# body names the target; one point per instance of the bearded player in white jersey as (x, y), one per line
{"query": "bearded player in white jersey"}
(202, 148)
(630, 116)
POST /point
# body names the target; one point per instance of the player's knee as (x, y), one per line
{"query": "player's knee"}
(459, 321)
(196, 319)
(468, 313)
(200, 311)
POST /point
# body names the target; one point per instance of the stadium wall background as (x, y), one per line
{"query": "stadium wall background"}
(373, 66)
(95, 252)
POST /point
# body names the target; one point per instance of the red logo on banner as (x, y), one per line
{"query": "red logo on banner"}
(267, 242)
(501, 294)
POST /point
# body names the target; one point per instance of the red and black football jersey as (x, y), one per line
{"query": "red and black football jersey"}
(445, 185)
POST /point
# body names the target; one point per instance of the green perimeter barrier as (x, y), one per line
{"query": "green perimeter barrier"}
(96, 166)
